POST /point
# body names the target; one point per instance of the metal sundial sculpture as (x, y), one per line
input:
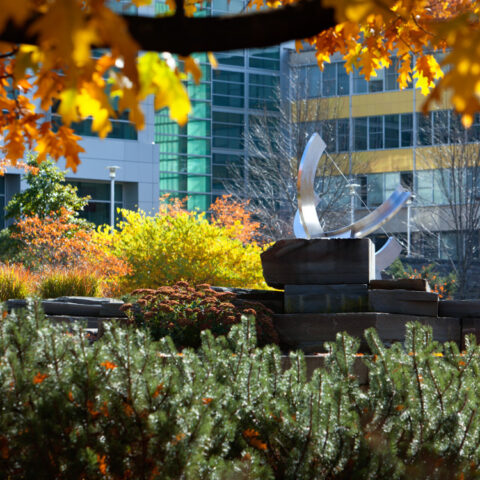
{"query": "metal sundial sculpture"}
(307, 224)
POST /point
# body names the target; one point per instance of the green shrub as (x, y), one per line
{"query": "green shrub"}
(127, 407)
(183, 311)
(15, 282)
(62, 282)
(444, 285)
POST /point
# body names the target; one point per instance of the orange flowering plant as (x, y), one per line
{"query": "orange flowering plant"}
(183, 311)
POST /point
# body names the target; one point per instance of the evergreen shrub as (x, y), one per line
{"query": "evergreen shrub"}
(128, 407)
(183, 311)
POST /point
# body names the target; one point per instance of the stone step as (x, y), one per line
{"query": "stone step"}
(309, 331)
(326, 298)
(459, 308)
(407, 302)
(418, 284)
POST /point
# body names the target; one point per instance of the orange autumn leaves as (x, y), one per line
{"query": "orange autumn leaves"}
(62, 73)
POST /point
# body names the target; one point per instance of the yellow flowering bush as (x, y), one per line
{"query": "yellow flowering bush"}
(176, 245)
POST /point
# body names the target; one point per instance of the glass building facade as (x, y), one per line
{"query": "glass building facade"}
(197, 159)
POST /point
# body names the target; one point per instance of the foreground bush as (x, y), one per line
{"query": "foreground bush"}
(183, 311)
(178, 245)
(126, 407)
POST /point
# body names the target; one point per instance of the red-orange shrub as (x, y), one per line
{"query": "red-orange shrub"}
(236, 218)
(183, 311)
(56, 242)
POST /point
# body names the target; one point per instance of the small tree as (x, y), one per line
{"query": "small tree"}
(455, 161)
(46, 195)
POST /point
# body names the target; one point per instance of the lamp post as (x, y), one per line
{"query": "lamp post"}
(112, 173)
(352, 187)
(409, 229)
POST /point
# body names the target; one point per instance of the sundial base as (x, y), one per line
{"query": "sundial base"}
(322, 261)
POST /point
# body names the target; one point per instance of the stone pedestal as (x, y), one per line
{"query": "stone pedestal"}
(325, 298)
(319, 262)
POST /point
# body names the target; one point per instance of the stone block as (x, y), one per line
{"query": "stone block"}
(406, 302)
(418, 284)
(52, 307)
(16, 304)
(459, 308)
(319, 261)
(309, 331)
(269, 298)
(112, 309)
(326, 298)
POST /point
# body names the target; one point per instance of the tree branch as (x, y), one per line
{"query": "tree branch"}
(185, 35)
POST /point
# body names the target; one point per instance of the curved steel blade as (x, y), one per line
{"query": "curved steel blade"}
(306, 195)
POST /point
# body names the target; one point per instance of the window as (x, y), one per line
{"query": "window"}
(392, 180)
(329, 80)
(266, 59)
(376, 83)
(406, 122)
(97, 210)
(360, 133)
(362, 181)
(343, 135)
(228, 88)
(263, 90)
(424, 129)
(375, 132)
(228, 130)
(360, 85)
(406, 180)
(441, 127)
(391, 75)
(392, 131)
(374, 189)
(343, 81)
(225, 167)
(473, 133)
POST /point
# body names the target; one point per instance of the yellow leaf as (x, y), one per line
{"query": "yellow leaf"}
(158, 79)
(68, 106)
(212, 60)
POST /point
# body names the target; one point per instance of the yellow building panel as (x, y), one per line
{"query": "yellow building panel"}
(379, 161)
(385, 103)
(317, 109)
